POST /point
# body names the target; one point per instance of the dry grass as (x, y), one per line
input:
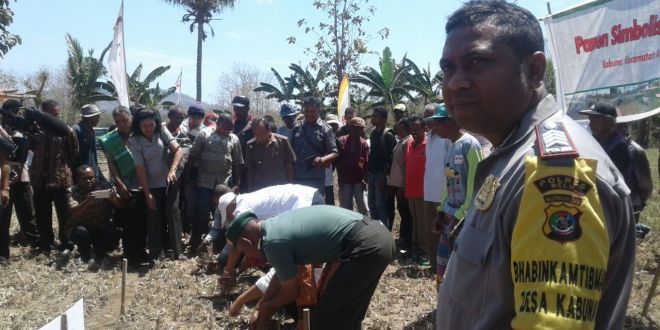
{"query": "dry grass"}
(33, 291)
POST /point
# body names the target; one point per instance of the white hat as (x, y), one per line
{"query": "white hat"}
(223, 202)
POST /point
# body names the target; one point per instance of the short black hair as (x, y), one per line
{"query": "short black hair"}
(174, 110)
(84, 167)
(49, 104)
(404, 123)
(349, 110)
(413, 119)
(380, 111)
(224, 117)
(313, 101)
(11, 104)
(516, 27)
(142, 115)
(262, 120)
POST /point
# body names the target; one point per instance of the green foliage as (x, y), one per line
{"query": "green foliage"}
(341, 38)
(283, 93)
(140, 91)
(427, 86)
(550, 78)
(200, 13)
(301, 83)
(392, 83)
(7, 40)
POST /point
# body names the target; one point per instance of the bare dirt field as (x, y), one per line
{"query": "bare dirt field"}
(175, 295)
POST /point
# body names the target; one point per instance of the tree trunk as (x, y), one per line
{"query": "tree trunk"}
(200, 39)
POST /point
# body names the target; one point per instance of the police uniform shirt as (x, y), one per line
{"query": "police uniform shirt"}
(322, 141)
(547, 242)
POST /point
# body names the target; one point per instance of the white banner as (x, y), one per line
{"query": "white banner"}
(117, 60)
(343, 99)
(72, 319)
(606, 44)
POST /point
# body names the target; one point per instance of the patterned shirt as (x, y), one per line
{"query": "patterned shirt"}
(98, 215)
(216, 155)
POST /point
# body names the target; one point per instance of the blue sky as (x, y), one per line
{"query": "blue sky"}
(254, 32)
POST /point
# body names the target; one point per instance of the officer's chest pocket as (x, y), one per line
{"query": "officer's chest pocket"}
(469, 266)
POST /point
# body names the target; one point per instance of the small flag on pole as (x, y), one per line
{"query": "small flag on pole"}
(178, 87)
(343, 98)
(117, 60)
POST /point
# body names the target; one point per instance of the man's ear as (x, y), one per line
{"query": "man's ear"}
(243, 242)
(535, 66)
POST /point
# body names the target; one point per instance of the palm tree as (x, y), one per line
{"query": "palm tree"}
(390, 84)
(200, 13)
(284, 92)
(83, 72)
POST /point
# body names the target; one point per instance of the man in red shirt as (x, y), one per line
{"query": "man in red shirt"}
(352, 166)
(414, 160)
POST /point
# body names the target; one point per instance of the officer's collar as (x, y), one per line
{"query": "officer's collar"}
(543, 110)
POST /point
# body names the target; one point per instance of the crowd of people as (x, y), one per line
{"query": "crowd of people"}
(490, 184)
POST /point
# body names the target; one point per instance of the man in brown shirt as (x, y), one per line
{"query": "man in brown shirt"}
(50, 175)
(269, 157)
(91, 222)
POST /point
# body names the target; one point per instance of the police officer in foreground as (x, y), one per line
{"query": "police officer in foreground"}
(548, 241)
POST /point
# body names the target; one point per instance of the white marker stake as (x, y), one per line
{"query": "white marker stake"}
(124, 266)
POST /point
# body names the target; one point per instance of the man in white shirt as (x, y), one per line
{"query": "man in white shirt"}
(434, 175)
(265, 203)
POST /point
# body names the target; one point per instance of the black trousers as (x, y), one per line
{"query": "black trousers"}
(132, 218)
(20, 198)
(4, 236)
(405, 228)
(44, 198)
(103, 240)
(368, 249)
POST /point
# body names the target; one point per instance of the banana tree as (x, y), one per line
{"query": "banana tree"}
(421, 81)
(390, 84)
(139, 90)
(309, 84)
(284, 92)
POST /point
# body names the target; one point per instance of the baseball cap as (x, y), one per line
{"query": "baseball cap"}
(196, 109)
(332, 119)
(357, 122)
(400, 107)
(223, 202)
(236, 227)
(89, 110)
(287, 110)
(240, 101)
(601, 109)
(440, 112)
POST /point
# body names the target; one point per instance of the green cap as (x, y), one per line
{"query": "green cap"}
(236, 227)
(440, 112)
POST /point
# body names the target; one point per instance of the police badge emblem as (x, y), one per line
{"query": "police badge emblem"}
(486, 194)
(562, 223)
